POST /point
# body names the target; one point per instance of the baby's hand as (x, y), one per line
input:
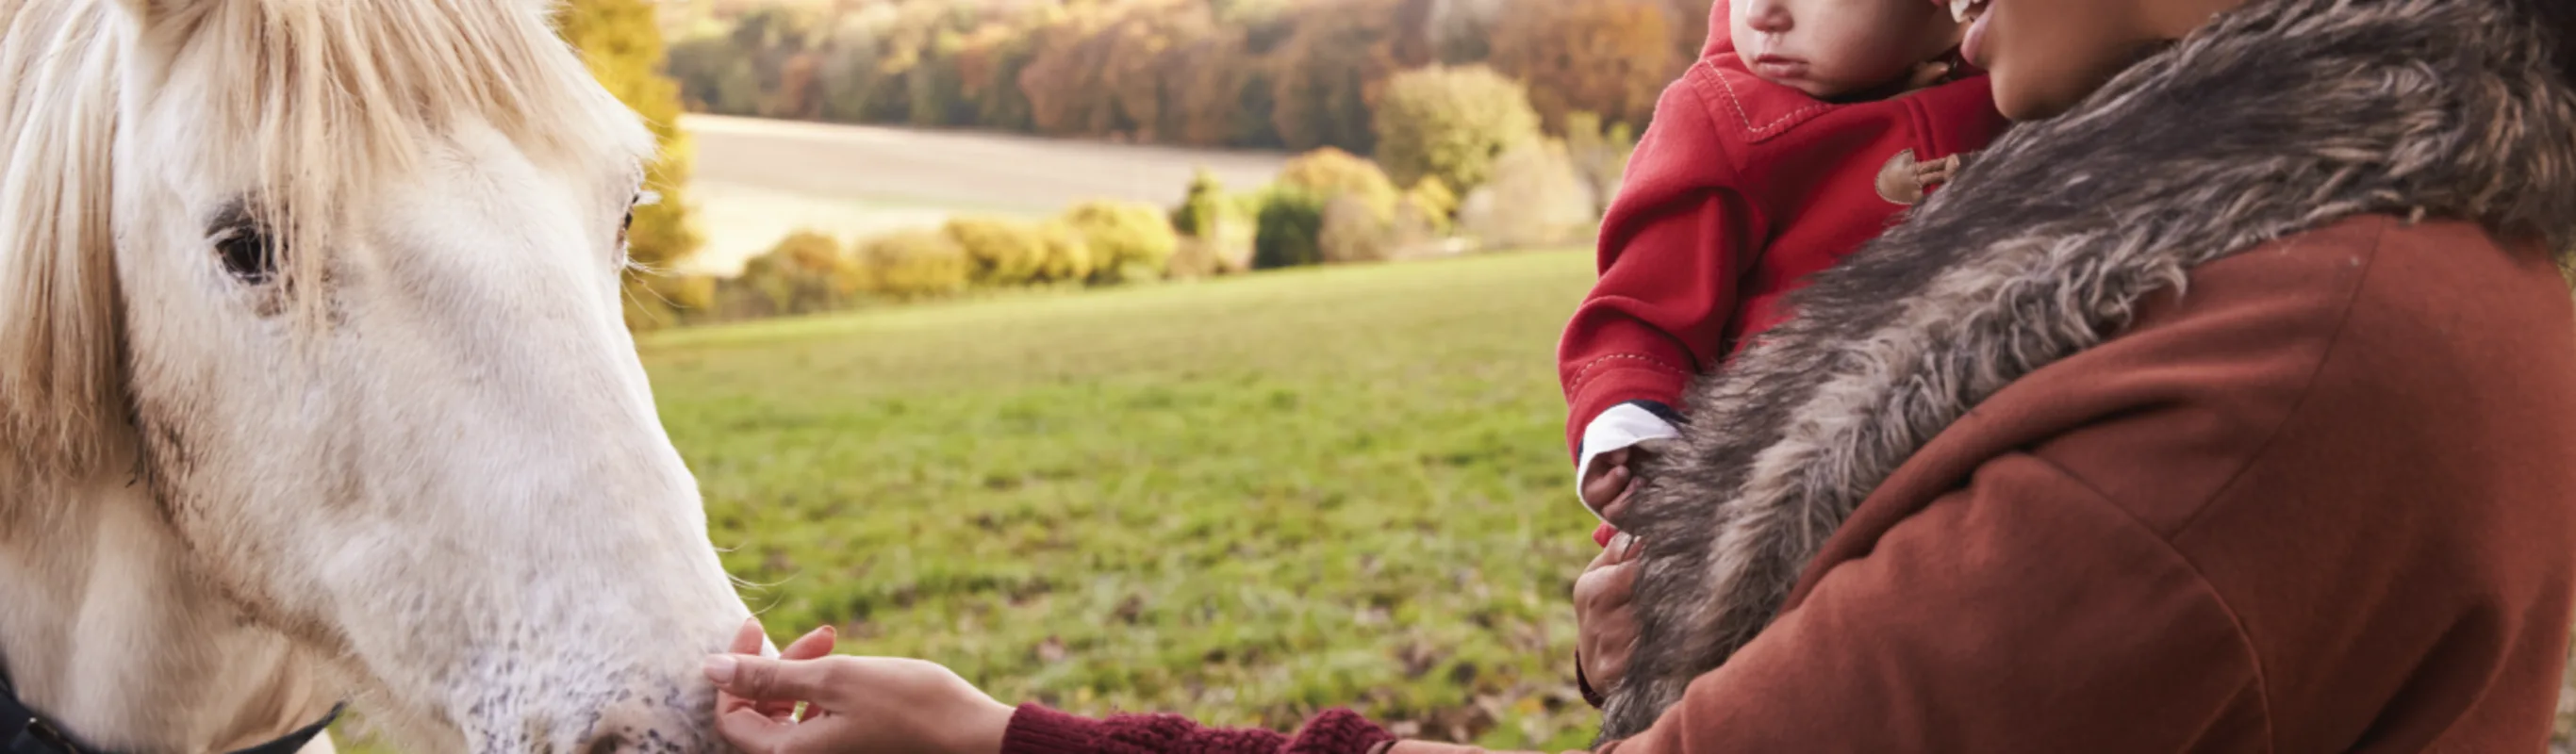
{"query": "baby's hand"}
(1606, 489)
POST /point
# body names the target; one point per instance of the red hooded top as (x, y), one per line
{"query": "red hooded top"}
(1739, 190)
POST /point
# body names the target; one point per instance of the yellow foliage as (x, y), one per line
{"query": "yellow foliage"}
(914, 264)
(623, 47)
(1329, 173)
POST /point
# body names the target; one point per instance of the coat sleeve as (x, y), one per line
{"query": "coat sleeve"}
(1674, 246)
(2024, 612)
(1038, 730)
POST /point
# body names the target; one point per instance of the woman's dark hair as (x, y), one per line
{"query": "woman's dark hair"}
(2558, 17)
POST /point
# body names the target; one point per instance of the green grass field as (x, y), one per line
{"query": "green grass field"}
(1246, 499)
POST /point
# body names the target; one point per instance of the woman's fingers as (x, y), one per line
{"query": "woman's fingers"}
(1619, 503)
(746, 638)
(814, 644)
(1609, 554)
(763, 679)
(1603, 488)
(1601, 591)
(1618, 585)
(749, 730)
(1623, 547)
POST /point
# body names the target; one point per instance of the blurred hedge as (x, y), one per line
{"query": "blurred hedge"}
(1129, 241)
(915, 264)
(1003, 252)
(806, 272)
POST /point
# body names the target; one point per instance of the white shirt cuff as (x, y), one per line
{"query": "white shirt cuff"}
(1621, 426)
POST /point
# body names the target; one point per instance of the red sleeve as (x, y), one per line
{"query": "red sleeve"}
(1675, 244)
(1038, 730)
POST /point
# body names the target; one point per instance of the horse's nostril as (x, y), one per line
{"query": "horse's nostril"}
(607, 743)
(638, 727)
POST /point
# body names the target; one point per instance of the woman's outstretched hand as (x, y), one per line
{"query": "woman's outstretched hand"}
(853, 705)
(747, 641)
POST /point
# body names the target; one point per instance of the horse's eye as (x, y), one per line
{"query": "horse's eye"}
(246, 252)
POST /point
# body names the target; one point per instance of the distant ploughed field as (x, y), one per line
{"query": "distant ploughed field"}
(758, 180)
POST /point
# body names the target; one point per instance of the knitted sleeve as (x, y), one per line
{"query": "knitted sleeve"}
(1036, 729)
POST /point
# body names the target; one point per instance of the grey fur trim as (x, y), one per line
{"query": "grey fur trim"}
(2280, 116)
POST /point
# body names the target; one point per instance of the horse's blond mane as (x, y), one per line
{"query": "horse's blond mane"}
(321, 102)
(58, 331)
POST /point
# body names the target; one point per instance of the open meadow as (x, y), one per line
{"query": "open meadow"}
(1245, 499)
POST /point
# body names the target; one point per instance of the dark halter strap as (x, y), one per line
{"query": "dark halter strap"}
(22, 731)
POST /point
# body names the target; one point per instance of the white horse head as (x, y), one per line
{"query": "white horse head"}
(313, 383)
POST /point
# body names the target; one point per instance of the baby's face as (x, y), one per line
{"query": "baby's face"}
(1828, 48)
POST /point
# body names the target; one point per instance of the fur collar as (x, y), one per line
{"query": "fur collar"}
(2281, 116)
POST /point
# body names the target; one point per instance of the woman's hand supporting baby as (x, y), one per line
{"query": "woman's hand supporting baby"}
(1605, 616)
(861, 705)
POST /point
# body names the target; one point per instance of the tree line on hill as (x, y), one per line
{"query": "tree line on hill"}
(1466, 154)
(1291, 74)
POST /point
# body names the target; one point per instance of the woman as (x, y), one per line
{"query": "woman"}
(2225, 405)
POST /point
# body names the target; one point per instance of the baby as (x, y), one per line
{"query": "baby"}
(1803, 129)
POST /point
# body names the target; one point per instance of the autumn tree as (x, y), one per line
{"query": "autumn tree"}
(1451, 123)
(935, 86)
(781, 43)
(989, 62)
(1327, 73)
(1690, 26)
(1611, 57)
(854, 89)
(1224, 91)
(714, 77)
(1330, 173)
(1461, 31)
(1416, 42)
(623, 48)
(1062, 79)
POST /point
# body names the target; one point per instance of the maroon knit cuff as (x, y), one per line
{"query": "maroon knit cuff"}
(1338, 731)
(1038, 730)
